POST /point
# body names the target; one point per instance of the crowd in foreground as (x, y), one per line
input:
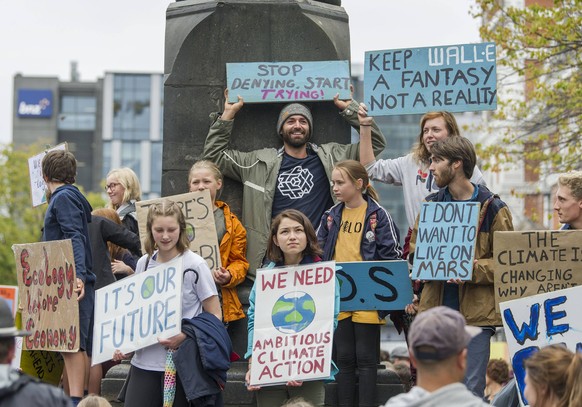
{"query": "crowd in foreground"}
(316, 204)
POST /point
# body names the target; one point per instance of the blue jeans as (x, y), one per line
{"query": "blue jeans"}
(478, 353)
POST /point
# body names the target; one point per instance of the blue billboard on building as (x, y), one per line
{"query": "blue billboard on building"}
(35, 103)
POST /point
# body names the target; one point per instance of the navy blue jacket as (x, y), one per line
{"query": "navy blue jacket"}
(380, 237)
(203, 359)
(67, 217)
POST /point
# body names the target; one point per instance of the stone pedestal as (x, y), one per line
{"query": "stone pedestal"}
(202, 36)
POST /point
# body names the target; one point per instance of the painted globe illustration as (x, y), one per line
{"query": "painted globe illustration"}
(293, 312)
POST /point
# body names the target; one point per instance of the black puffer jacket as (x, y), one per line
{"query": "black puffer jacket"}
(19, 390)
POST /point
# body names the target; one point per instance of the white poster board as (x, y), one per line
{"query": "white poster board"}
(293, 331)
(135, 311)
(37, 184)
(534, 322)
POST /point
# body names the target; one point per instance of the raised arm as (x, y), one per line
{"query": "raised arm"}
(218, 140)
(366, 150)
(349, 111)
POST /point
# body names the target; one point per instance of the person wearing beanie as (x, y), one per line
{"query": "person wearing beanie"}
(18, 389)
(296, 176)
(438, 340)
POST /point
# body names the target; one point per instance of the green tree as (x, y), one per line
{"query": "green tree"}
(540, 106)
(19, 221)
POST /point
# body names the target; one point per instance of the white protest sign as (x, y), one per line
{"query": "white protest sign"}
(37, 184)
(534, 322)
(293, 332)
(134, 312)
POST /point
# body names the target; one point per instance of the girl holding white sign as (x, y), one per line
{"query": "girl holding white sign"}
(233, 247)
(357, 229)
(292, 241)
(166, 240)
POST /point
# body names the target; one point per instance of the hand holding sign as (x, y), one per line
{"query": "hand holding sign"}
(342, 104)
(231, 109)
(363, 117)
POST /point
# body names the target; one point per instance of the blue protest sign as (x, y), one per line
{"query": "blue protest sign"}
(374, 285)
(445, 242)
(288, 81)
(456, 78)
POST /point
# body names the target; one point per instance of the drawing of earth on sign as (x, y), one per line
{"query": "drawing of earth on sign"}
(293, 312)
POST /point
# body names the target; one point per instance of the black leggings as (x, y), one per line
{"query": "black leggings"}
(146, 389)
(357, 346)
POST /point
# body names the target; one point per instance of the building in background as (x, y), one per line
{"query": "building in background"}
(108, 123)
(132, 127)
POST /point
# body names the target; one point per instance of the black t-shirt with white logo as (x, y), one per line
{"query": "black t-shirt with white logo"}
(303, 185)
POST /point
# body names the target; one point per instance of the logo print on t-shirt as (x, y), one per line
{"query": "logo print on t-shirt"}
(295, 183)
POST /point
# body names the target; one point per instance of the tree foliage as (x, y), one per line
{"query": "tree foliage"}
(540, 100)
(19, 221)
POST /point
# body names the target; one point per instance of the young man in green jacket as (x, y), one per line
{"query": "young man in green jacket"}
(294, 176)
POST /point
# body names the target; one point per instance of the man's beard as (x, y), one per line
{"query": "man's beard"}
(444, 178)
(295, 142)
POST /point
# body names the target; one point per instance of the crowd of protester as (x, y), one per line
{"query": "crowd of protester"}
(337, 217)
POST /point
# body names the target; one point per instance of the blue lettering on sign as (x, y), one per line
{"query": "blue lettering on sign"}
(35, 103)
(552, 315)
(374, 285)
(152, 320)
(519, 369)
(526, 331)
(530, 331)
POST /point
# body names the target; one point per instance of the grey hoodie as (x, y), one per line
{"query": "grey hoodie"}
(453, 395)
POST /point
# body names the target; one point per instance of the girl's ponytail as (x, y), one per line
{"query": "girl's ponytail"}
(573, 391)
(355, 171)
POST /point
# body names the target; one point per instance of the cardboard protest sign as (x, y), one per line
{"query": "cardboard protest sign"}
(197, 208)
(374, 285)
(293, 331)
(534, 262)
(46, 282)
(288, 81)
(456, 78)
(37, 184)
(44, 365)
(133, 313)
(445, 243)
(534, 322)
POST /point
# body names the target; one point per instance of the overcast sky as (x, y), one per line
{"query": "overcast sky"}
(40, 38)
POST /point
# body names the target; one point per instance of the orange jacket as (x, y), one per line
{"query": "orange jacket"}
(233, 249)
